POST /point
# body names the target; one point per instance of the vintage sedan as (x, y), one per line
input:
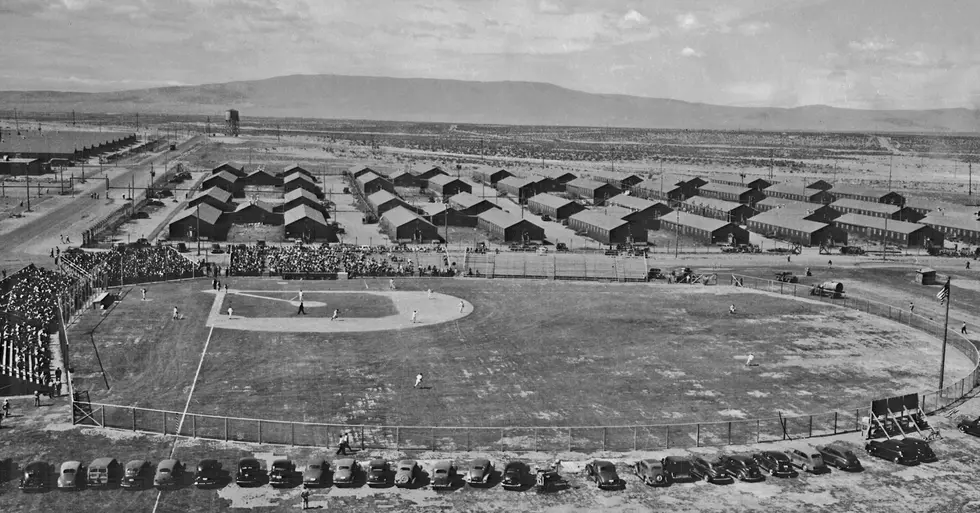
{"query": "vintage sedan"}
(839, 456)
(922, 450)
(776, 463)
(515, 475)
(443, 475)
(651, 472)
(136, 475)
(377, 472)
(72, 476)
(807, 459)
(35, 477)
(316, 474)
(677, 468)
(710, 471)
(892, 450)
(408, 474)
(208, 474)
(744, 468)
(103, 473)
(969, 426)
(603, 474)
(250, 472)
(170, 473)
(347, 472)
(282, 473)
(478, 472)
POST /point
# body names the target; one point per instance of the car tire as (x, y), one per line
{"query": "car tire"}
(805, 468)
(962, 429)
(742, 476)
(772, 472)
(706, 478)
(897, 460)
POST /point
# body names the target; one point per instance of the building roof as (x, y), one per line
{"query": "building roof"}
(585, 183)
(789, 205)
(18, 160)
(599, 219)
(227, 164)
(400, 216)
(857, 190)
(382, 197)
(432, 209)
(783, 219)
(554, 173)
(293, 167)
(466, 200)
(879, 223)
(57, 142)
(298, 177)
(654, 185)
(216, 193)
(708, 224)
(514, 181)
(713, 203)
(442, 180)
(727, 189)
(399, 173)
(872, 206)
(370, 176)
(788, 188)
(260, 170)
(224, 175)
(208, 213)
(550, 200)
(300, 193)
(300, 212)
(617, 212)
(501, 218)
(957, 220)
(632, 202)
(257, 204)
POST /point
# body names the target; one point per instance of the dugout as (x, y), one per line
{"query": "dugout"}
(925, 276)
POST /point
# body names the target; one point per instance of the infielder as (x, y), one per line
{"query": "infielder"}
(418, 380)
(731, 309)
(336, 315)
(229, 312)
(462, 305)
(748, 361)
(415, 316)
(429, 293)
(176, 315)
(391, 284)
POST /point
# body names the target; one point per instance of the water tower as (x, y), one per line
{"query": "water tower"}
(231, 121)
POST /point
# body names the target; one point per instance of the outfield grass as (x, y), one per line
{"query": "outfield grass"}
(532, 353)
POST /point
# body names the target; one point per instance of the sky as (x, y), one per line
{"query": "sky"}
(867, 54)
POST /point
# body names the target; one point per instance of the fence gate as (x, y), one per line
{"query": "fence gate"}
(82, 412)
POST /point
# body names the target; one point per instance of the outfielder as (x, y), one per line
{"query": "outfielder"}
(415, 316)
(418, 380)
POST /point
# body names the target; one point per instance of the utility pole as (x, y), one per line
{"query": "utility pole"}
(969, 191)
(28, 192)
(890, 173)
(770, 165)
(944, 297)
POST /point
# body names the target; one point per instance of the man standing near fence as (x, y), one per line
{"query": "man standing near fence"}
(911, 308)
(963, 329)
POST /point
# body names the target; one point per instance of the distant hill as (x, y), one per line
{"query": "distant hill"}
(455, 101)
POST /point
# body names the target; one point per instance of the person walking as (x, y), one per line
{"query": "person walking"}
(37, 398)
(342, 446)
(176, 315)
(57, 373)
(6, 407)
(336, 315)
(143, 293)
(418, 380)
(301, 309)
(415, 316)
(429, 293)
(300, 295)
(57, 387)
(967, 264)
(391, 284)
(214, 283)
(748, 361)
(462, 305)
(963, 329)
(830, 264)
(226, 288)
(911, 307)
(787, 259)
(230, 312)
(306, 499)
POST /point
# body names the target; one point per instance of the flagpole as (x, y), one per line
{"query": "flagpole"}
(942, 364)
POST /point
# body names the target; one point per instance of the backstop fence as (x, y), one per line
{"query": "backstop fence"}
(546, 438)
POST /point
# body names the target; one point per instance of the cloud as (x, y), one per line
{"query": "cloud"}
(550, 7)
(635, 18)
(871, 45)
(691, 52)
(753, 28)
(688, 21)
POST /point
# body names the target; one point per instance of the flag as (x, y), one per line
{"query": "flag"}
(943, 294)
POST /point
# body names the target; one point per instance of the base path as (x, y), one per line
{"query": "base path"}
(439, 309)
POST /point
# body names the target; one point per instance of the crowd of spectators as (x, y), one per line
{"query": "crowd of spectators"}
(33, 294)
(133, 264)
(24, 353)
(354, 260)
(247, 260)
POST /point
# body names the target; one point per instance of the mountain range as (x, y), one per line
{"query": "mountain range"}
(457, 101)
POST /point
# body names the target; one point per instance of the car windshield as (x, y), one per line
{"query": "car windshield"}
(606, 468)
(377, 468)
(69, 471)
(477, 467)
(315, 467)
(406, 468)
(441, 471)
(165, 471)
(815, 456)
(344, 467)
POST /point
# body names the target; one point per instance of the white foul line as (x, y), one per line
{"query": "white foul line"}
(187, 405)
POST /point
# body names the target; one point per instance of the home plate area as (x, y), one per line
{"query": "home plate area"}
(367, 310)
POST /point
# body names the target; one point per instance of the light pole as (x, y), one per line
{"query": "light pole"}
(198, 229)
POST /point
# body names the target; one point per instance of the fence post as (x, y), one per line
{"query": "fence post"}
(193, 426)
(634, 438)
(697, 442)
(260, 431)
(292, 434)
(468, 440)
(569, 439)
(667, 437)
(134, 418)
(758, 430)
(835, 423)
(164, 423)
(604, 438)
(535, 439)
(502, 445)
(362, 438)
(226, 429)
(729, 432)
(810, 429)
(397, 438)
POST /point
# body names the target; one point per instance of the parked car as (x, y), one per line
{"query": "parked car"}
(72, 476)
(839, 456)
(103, 473)
(35, 477)
(603, 474)
(515, 475)
(807, 459)
(677, 468)
(651, 472)
(408, 474)
(561, 247)
(744, 468)
(478, 472)
(922, 450)
(545, 217)
(970, 427)
(136, 474)
(346, 472)
(443, 474)
(169, 474)
(250, 472)
(776, 463)
(377, 472)
(892, 450)
(216, 249)
(710, 471)
(316, 473)
(208, 473)
(282, 473)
